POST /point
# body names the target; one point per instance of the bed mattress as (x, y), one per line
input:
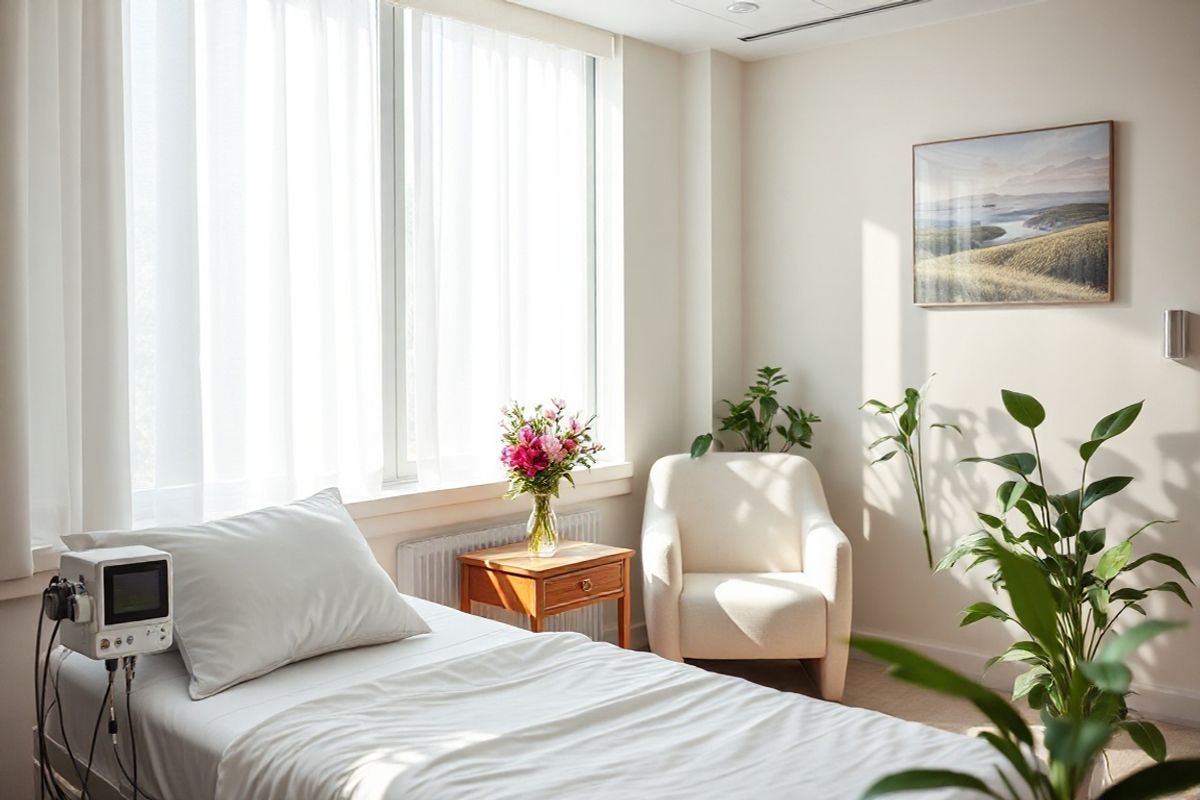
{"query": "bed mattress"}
(481, 709)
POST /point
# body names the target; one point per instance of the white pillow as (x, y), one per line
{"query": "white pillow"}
(264, 589)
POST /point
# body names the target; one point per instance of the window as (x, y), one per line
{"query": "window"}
(489, 237)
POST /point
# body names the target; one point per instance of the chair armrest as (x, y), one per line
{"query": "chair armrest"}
(826, 554)
(662, 580)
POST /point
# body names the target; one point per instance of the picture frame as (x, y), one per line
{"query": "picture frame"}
(1017, 218)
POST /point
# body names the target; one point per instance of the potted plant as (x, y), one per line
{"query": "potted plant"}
(752, 419)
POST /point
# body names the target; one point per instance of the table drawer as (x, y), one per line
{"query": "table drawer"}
(575, 587)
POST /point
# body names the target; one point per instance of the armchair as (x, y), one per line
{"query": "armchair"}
(741, 560)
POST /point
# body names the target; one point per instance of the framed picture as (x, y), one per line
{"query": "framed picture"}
(1014, 218)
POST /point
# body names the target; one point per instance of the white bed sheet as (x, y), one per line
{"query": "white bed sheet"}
(461, 712)
(181, 741)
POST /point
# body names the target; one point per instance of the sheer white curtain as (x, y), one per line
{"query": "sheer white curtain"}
(498, 138)
(63, 393)
(255, 279)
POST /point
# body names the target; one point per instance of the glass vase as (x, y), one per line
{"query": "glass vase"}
(542, 529)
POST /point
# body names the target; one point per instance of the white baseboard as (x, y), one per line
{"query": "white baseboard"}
(1162, 703)
(638, 638)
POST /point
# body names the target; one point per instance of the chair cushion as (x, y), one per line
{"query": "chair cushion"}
(751, 615)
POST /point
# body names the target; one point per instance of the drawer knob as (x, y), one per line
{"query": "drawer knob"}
(586, 584)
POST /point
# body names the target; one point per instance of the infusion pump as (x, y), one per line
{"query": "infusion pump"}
(113, 602)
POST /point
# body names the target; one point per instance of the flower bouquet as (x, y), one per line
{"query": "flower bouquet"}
(541, 447)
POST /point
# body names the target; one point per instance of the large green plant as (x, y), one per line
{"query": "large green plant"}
(1069, 625)
(753, 419)
(905, 437)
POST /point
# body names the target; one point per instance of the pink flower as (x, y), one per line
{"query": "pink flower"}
(568, 445)
(526, 435)
(575, 425)
(550, 414)
(552, 446)
(559, 403)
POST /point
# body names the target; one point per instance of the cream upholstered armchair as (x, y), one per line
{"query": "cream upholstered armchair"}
(741, 560)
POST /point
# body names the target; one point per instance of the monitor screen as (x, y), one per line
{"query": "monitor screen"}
(135, 592)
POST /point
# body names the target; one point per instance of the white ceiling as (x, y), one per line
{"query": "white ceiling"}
(692, 25)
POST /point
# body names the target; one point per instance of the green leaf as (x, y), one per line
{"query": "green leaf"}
(1151, 523)
(1113, 561)
(1119, 648)
(1114, 424)
(1010, 493)
(1032, 601)
(947, 426)
(885, 457)
(1099, 598)
(701, 444)
(1073, 743)
(977, 542)
(1174, 588)
(914, 779)
(916, 669)
(1023, 685)
(989, 520)
(1159, 558)
(1103, 488)
(1020, 463)
(1025, 409)
(1025, 651)
(879, 406)
(1092, 541)
(889, 438)
(978, 611)
(1169, 777)
(1146, 736)
(1107, 676)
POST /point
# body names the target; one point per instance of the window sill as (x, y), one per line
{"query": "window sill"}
(412, 507)
(404, 510)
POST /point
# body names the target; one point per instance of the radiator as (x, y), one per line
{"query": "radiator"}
(427, 568)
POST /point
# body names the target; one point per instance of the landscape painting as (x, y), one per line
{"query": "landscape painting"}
(1014, 218)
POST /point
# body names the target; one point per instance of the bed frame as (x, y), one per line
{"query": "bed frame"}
(56, 755)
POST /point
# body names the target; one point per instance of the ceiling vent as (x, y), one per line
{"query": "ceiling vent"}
(803, 26)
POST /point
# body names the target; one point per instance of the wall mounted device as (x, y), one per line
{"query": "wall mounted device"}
(1175, 334)
(113, 602)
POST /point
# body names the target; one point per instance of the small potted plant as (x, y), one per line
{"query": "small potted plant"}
(752, 419)
(541, 447)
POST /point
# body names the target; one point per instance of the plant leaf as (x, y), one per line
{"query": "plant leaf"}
(1170, 561)
(1113, 561)
(1023, 685)
(916, 669)
(1021, 463)
(1092, 541)
(1103, 488)
(913, 779)
(1174, 588)
(1149, 524)
(1032, 601)
(701, 444)
(1114, 424)
(978, 611)
(1107, 676)
(1024, 408)
(1010, 493)
(1146, 736)
(1119, 648)
(1158, 780)
(1074, 742)
(885, 457)
(947, 426)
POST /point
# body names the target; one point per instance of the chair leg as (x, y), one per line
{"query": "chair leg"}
(828, 674)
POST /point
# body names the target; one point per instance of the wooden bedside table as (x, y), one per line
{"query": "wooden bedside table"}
(578, 575)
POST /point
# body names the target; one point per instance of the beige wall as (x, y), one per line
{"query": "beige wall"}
(651, 89)
(827, 293)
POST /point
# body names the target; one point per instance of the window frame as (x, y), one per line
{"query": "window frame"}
(400, 463)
